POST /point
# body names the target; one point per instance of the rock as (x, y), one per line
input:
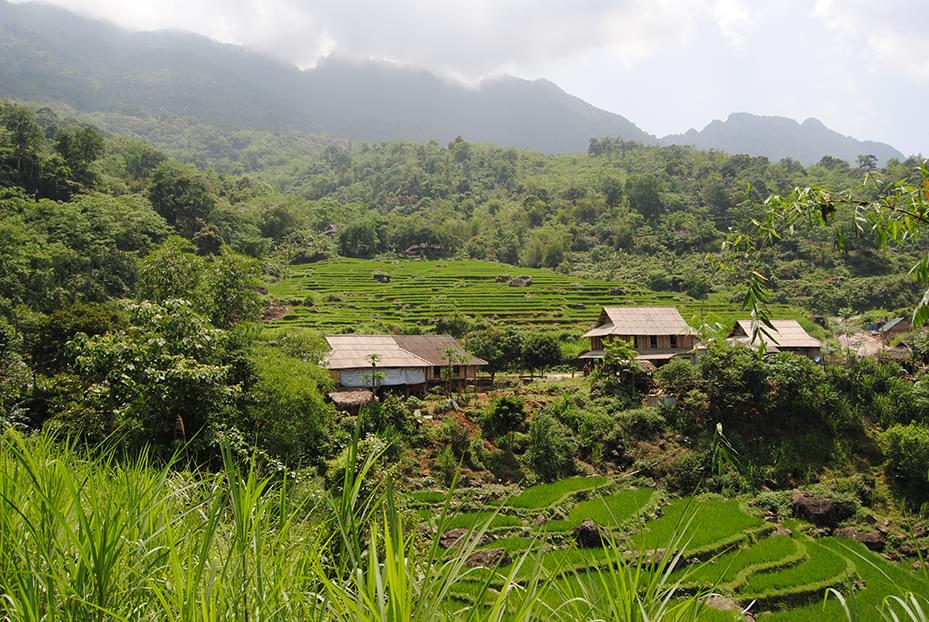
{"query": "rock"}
(722, 603)
(590, 535)
(780, 530)
(917, 565)
(823, 532)
(458, 536)
(488, 558)
(539, 520)
(871, 539)
(503, 278)
(380, 277)
(616, 291)
(576, 305)
(820, 511)
(520, 281)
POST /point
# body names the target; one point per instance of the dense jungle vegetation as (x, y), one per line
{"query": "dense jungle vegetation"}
(133, 280)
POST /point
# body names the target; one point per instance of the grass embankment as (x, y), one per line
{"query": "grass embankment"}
(342, 293)
(611, 511)
(544, 495)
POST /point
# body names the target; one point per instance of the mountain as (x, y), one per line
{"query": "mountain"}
(49, 54)
(780, 137)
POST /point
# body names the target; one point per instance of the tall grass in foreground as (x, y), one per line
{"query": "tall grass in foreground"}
(87, 536)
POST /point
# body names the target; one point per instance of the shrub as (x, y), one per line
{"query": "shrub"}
(446, 465)
(507, 414)
(907, 450)
(641, 423)
(454, 434)
(551, 448)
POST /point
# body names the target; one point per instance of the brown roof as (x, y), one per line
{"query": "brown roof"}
(433, 348)
(641, 321)
(353, 351)
(786, 334)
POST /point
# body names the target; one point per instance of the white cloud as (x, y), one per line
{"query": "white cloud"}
(894, 34)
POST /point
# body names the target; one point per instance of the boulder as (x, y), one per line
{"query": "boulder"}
(459, 536)
(520, 281)
(488, 558)
(381, 277)
(821, 511)
(872, 539)
(538, 521)
(617, 292)
(590, 535)
(502, 278)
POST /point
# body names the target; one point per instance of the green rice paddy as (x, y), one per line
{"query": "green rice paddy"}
(726, 549)
(342, 294)
(544, 495)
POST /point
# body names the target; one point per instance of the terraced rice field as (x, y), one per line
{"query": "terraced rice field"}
(343, 294)
(729, 550)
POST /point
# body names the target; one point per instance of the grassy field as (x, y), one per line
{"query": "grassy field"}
(343, 294)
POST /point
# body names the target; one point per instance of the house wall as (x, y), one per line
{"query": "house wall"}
(643, 343)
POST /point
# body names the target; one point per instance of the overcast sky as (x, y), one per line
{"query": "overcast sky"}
(861, 66)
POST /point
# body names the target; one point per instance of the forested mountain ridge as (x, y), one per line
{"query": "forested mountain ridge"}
(57, 57)
(51, 54)
(780, 137)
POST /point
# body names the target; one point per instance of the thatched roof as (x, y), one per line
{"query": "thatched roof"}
(433, 348)
(354, 351)
(351, 400)
(786, 334)
(640, 321)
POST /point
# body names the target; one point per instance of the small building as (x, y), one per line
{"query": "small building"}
(411, 361)
(893, 328)
(787, 336)
(658, 334)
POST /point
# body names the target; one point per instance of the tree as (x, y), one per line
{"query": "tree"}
(612, 191)
(359, 239)
(619, 373)
(485, 344)
(80, 149)
(550, 450)
(163, 379)
(867, 162)
(504, 416)
(181, 196)
(287, 407)
(233, 282)
(895, 213)
(25, 140)
(540, 351)
(643, 196)
(907, 451)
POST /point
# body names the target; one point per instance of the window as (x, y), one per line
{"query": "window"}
(637, 342)
(673, 341)
(653, 341)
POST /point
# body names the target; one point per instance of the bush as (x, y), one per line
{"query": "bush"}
(507, 414)
(641, 423)
(454, 434)
(551, 448)
(906, 448)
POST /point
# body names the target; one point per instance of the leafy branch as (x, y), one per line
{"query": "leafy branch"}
(894, 213)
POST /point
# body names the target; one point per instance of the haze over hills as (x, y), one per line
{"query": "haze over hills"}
(49, 54)
(780, 137)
